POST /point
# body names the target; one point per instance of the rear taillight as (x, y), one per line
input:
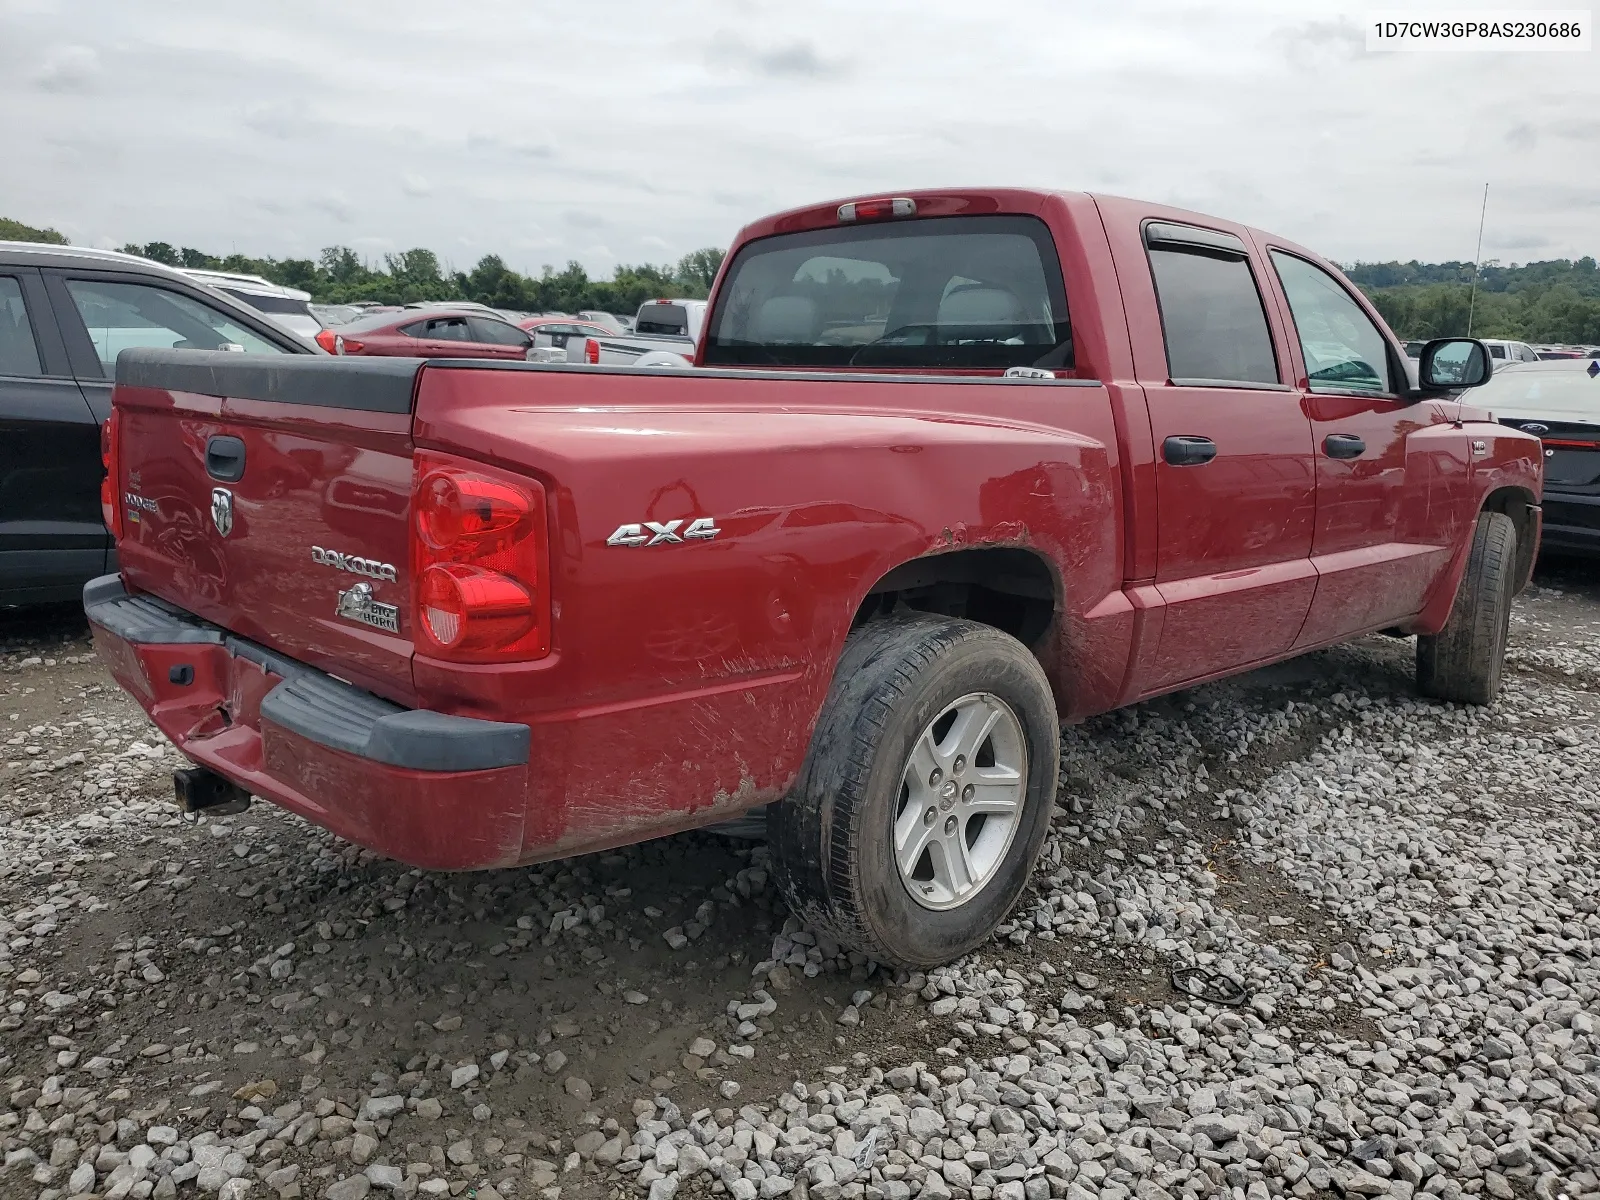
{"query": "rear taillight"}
(344, 345)
(110, 497)
(591, 351)
(480, 558)
(328, 340)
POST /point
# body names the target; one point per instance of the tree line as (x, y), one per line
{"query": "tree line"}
(1554, 301)
(340, 276)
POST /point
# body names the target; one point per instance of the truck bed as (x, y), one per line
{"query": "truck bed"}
(682, 678)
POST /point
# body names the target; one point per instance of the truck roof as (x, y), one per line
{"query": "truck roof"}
(951, 202)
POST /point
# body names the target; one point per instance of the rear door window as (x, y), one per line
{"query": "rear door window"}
(496, 333)
(19, 354)
(119, 316)
(1212, 317)
(950, 292)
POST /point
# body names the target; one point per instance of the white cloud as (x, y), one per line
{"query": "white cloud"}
(551, 134)
(67, 69)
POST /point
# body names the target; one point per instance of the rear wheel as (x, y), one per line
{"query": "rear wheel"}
(926, 793)
(1464, 660)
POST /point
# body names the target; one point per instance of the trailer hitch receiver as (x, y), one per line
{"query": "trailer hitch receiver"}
(199, 790)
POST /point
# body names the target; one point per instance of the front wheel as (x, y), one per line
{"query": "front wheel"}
(926, 793)
(1464, 660)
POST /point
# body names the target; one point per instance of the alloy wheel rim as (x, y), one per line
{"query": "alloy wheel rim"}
(960, 803)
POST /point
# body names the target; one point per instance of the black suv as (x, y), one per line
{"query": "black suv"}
(65, 313)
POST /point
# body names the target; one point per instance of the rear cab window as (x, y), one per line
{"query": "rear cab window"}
(662, 320)
(980, 293)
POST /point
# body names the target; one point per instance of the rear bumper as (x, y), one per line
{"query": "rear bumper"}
(426, 788)
(1571, 523)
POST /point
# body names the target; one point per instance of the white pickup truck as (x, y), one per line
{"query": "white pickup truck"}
(664, 335)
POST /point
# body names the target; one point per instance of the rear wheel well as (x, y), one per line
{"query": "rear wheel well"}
(1015, 591)
(1517, 504)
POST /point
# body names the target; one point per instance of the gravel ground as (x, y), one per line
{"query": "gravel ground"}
(1404, 895)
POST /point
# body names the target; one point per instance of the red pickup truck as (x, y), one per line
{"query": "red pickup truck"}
(956, 467)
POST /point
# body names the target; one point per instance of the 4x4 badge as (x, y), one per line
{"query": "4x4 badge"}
(654, 533)
(222, 510)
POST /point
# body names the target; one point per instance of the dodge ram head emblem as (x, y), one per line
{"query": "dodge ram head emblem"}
(222, 510)
(665, 533)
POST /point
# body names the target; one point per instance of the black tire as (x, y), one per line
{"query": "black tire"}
(831, 838)
(1464, 660)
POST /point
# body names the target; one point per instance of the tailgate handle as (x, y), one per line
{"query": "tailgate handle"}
(225, 458)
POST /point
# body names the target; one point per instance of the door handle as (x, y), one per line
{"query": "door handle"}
(1343, 445)
(1188, 450)
(225, 458)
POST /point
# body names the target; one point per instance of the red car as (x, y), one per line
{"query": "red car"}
(956, 467)
(428, 333)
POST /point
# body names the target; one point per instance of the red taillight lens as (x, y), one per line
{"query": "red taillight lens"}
(344, 345)
(480, 557)
(110, 496)
(454, 507)
(591, 351)
(464, 607)
(878, 210)
(328, 340)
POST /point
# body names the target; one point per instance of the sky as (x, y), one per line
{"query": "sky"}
(627, 131)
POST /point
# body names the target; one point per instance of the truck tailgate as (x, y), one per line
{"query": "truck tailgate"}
(272, 498)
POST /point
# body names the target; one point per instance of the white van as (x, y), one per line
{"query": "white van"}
(285, 306)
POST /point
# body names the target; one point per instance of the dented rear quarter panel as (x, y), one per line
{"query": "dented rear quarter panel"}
(687, 677)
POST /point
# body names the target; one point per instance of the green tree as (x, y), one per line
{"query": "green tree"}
(16, 231)
(493, 283)
(340, 265)
(156, 252)
(697, 270)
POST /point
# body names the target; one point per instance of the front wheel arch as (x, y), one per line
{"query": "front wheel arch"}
(1523, 508)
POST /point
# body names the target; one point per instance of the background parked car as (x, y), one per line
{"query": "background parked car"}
(1505, 353)
(65, 314)
(286, 306)
(1559, 403)
(664, 334)
(426, 332)
(337, 314)
(603, 319)
(554, 334)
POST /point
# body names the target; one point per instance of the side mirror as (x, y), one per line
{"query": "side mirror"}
(1450, 363)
